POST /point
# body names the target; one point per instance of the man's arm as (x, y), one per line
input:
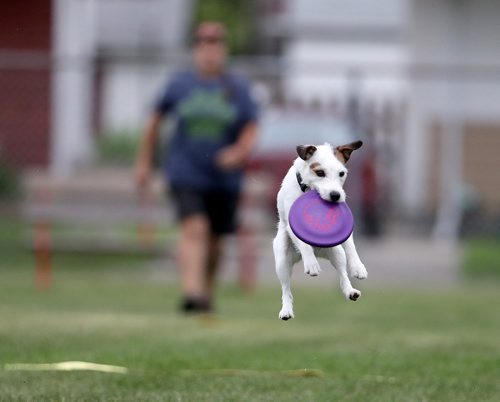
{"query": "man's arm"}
(143, 165)
(235, 155)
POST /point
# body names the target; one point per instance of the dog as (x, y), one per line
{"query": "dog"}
(318, 168)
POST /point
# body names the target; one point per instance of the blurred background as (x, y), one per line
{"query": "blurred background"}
(418, 81)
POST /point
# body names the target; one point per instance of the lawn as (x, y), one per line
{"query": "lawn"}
(482, 258)
(396, 345)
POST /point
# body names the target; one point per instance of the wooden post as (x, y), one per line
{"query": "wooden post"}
(43, 255)
(42, 242)
(248, 258)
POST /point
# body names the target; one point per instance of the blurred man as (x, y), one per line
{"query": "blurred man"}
(215, 129)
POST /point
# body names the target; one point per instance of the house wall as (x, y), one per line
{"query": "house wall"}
(134, 43)
(72, 84)
(455, 50)
(481, 164)
(102, 82)
(127, 94)
(25, 42)
(328, 40)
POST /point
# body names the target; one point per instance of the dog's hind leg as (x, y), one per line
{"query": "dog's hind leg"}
(337, 257)
(355, 267)
(284, 264)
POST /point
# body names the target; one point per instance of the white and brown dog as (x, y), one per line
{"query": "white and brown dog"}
(320, 168)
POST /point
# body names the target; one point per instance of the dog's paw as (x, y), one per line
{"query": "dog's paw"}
(357, 270)
(353, 294)
(286, 313)
(312, 268)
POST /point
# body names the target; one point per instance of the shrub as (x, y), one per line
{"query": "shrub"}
(9, 181)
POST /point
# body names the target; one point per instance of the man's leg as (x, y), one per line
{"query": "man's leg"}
(212, 266)
(221, 210)
(192, 254)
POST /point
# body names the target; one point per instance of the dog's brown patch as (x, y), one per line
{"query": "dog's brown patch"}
(315, 167)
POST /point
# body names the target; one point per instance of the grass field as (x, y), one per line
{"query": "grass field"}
(482, 258)
(389, 346)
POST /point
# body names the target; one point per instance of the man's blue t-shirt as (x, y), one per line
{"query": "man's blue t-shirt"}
(209, 115)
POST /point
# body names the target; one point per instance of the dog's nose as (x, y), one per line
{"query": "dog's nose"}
(335, 196)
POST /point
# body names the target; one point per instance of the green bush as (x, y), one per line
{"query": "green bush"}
(9, 181)
(118, 147)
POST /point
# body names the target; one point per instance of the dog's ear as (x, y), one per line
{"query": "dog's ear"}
(306, 151)
(343, 152)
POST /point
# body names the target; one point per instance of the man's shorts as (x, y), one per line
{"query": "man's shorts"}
(220, 207)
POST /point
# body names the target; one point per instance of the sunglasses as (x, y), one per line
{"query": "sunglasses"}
(210, 40)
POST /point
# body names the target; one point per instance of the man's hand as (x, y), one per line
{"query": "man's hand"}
(234, 156)
(231, 157)
(142, 174)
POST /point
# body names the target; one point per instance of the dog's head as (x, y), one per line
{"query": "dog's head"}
(323, 168)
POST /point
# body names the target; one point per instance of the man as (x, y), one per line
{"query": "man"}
(215, 130)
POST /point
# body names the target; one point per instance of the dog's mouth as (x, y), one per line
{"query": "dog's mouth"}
(333, 197)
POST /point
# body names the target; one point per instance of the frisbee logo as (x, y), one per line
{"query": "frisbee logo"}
(317, 219)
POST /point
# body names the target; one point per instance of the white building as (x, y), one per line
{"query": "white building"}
(106, 42)
(436, 62)
(439, 60)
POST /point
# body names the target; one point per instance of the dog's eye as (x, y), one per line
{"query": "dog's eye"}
(320, 173)
(342, 174)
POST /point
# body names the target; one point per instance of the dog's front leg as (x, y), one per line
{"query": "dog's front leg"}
(337, 257)
(284, 264)
(311, 264)
(355, 267)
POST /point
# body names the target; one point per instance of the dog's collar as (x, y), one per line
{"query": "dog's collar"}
(304, 187)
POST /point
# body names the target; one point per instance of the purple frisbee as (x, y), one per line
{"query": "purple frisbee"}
(320, 223)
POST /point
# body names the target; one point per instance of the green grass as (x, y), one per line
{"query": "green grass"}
(482, 258)
(394, 345)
